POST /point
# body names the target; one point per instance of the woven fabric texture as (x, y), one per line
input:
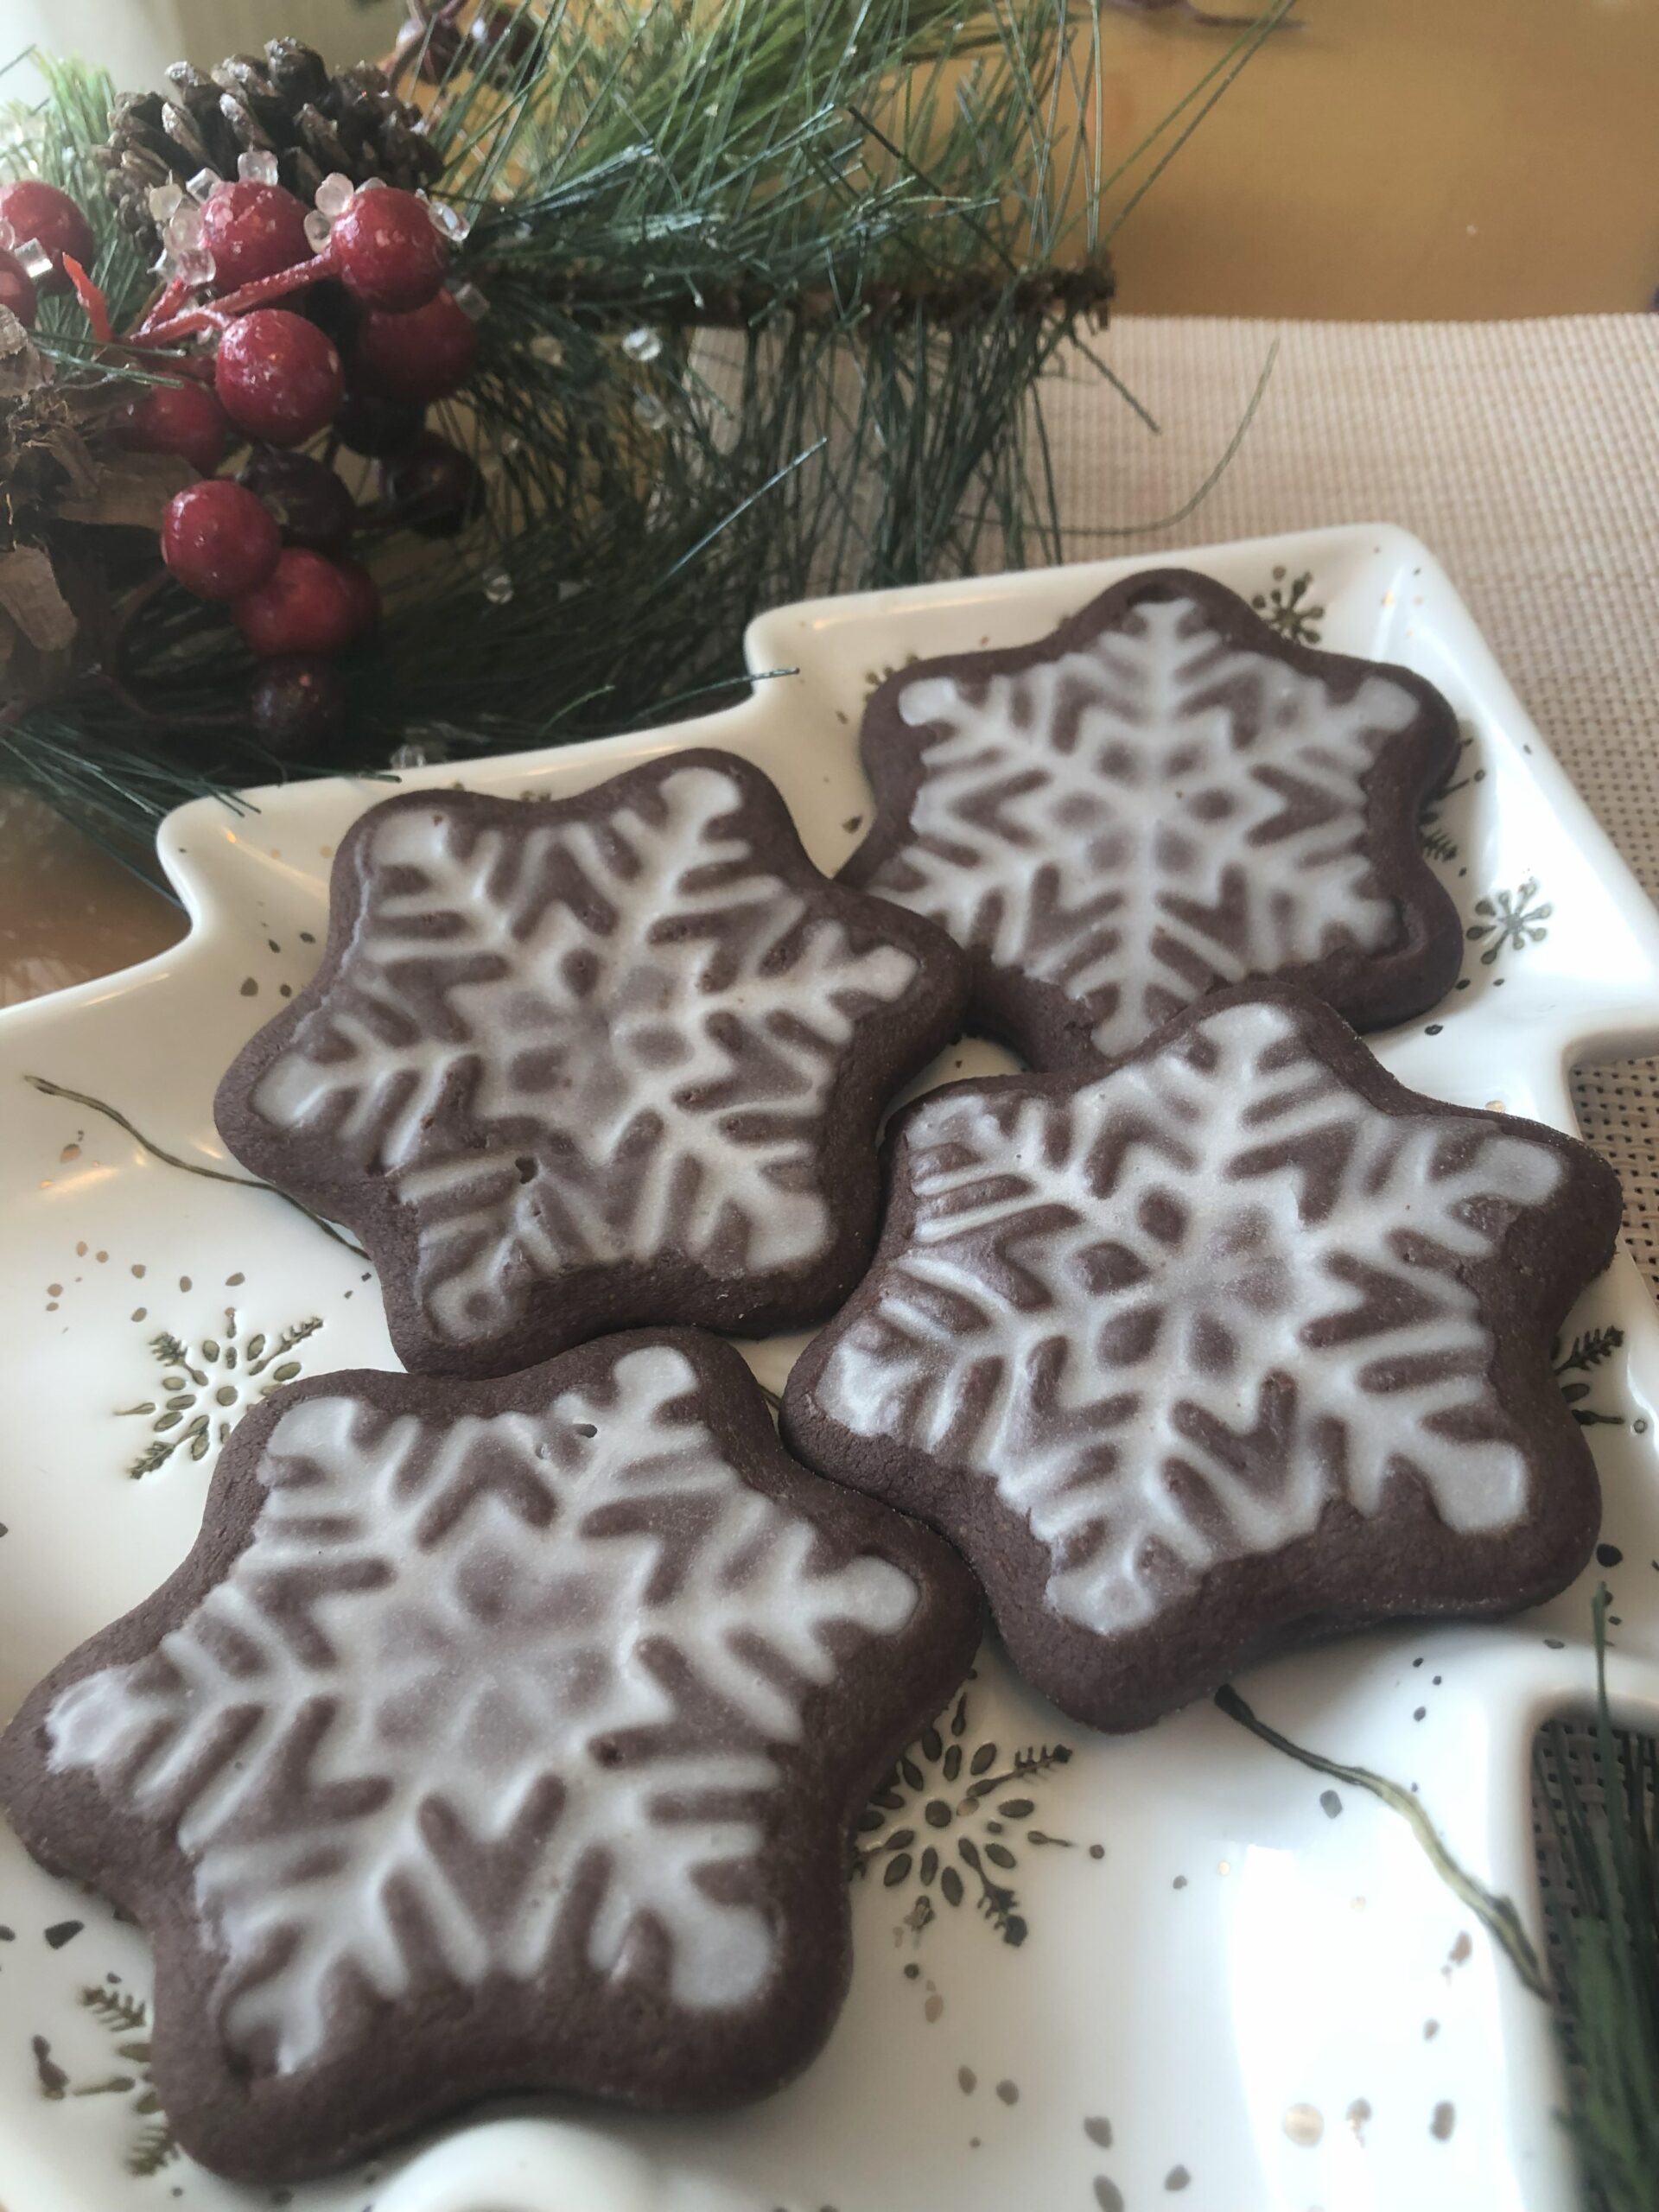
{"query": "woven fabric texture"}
(1526, 454)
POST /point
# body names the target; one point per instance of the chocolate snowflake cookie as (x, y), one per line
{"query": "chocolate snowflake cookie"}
(1162, 797)
(492, 1737)
(575, 1066)
(1238, 1342)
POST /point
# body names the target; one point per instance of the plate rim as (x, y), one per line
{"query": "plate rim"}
(1540, 1681)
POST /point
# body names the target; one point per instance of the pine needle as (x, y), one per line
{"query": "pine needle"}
(1497, 1915)
(1607, 1924)
(771, 301)
(174, 1160)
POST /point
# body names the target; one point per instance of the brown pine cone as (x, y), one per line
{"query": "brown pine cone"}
(285, 103)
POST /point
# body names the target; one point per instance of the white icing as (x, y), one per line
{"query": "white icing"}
(676, 1096)
(1087, 823)
(482, 1657)
(987, 1345)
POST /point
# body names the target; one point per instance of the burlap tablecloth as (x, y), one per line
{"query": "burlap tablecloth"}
(1526, 454)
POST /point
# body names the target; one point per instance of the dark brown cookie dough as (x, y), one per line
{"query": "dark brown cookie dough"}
(493, 1737)
(1237, 1343)
(1162, 797)
(595, 1062)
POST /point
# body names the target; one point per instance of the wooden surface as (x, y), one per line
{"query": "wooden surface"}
(66, 910)
(1418, 159)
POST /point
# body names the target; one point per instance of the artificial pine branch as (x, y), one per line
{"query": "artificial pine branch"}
(1605, 1826)
(770, 300)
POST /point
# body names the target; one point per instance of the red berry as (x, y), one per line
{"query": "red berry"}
(298, 704)
(423, 355)
(387, 251)
(311, 505)
(253, 230)
(218, 539)
(308, 604)
(16, 289)
(278, 377)
(433, 487)
(182, 418)
(40, 211)
(364, 595)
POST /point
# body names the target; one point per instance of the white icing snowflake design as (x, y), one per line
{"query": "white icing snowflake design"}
(458, 1668)
(584, 1040)
(1173, 1313)
(1136, 821)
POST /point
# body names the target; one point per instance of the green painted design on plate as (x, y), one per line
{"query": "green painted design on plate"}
(1285, 607)
(1585, 1352)
(1510, 919)
(1432, 837)
(206, 1386)
(125, 2020)
(944, 1822)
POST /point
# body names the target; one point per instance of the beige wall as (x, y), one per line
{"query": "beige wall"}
(1401, 158)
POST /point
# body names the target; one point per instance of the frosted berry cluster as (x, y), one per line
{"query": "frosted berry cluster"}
(273, 326)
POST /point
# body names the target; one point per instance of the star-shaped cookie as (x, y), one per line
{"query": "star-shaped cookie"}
(583, 1065)
(1161, 797)
(1238, 1342)
(492, 1737)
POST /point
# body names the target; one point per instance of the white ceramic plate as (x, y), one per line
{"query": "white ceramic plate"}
(1238, 1989)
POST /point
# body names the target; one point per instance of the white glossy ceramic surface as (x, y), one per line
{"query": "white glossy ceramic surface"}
(1238, 1990)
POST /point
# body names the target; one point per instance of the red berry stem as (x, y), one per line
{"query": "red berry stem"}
(92, 299)
(190, 324)
(277, 286)
(388, 255)
(167, 302)
(225, 311)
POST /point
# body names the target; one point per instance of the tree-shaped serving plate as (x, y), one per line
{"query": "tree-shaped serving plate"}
(1179, 1967)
